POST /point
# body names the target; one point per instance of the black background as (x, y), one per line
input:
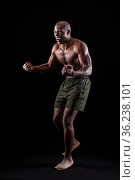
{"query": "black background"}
(27, 99)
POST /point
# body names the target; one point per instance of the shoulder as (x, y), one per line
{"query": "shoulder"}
(54, 48)
(79, 45)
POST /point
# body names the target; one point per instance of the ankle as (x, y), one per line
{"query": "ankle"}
(69, 157)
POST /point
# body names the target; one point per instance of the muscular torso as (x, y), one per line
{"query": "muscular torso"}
(69, 55)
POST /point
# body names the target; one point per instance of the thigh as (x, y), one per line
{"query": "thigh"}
(60, 100)
(78, 97)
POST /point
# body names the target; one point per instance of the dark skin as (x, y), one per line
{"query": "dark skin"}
(75, 57)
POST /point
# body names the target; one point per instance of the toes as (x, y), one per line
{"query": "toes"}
(59, 168)
(64, 165)
(56, 167)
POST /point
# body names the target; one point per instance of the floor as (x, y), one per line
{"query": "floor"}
(95, 163)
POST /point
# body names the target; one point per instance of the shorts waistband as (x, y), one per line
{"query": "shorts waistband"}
(77, 78)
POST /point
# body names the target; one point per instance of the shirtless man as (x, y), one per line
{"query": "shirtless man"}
(74, 90)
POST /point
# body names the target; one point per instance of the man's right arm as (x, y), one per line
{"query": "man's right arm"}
(43, 68)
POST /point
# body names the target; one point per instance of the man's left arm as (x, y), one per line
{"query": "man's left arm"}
(85, 61)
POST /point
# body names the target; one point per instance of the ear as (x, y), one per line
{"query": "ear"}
(68, 32)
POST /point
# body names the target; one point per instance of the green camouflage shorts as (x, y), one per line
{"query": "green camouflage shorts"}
(73, 93)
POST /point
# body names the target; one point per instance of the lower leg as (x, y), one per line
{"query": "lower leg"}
(68, 119)
(75, 144)
(58, 121)
(68, 140)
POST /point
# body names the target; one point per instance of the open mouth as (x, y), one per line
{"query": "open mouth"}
(58, 40)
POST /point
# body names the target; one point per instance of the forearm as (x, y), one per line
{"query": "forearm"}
(84, 71)
(43, 68)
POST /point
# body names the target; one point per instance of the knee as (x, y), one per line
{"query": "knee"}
(55, 119)
(67, 123)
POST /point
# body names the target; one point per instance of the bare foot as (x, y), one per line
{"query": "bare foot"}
(75, 145)
(66, 163)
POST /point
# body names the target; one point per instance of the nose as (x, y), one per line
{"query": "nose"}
(57, 34)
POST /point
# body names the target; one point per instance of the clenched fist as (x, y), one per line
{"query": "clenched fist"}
(28, 67)
(67, 71)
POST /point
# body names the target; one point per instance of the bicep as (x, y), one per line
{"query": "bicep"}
(84, 56)
(53, 61)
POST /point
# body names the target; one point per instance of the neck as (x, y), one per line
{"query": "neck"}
(65, 44)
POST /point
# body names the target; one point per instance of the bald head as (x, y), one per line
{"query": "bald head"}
(62, 32)
(64, 24)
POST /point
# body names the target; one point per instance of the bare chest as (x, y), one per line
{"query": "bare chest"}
(66, 56)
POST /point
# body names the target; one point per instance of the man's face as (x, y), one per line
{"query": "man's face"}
(61, 34)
